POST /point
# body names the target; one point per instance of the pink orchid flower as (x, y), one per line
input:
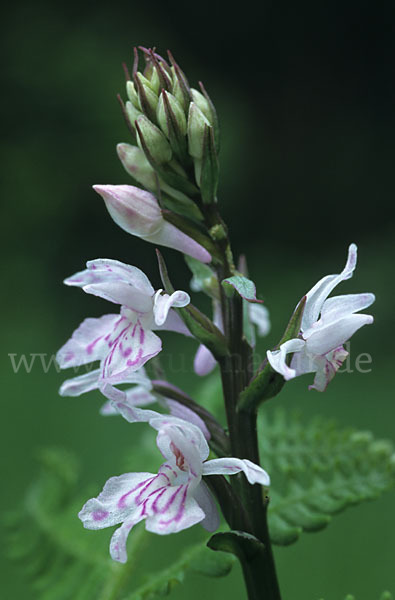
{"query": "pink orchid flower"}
(173, 499)
(123, 342)
(326, 325)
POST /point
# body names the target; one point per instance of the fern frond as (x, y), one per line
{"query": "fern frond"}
(63, 560)
(318, 470)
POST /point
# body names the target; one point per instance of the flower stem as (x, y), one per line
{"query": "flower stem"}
(259, 572)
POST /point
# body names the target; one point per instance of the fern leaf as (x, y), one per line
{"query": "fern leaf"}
(317, 471)
(63, 560)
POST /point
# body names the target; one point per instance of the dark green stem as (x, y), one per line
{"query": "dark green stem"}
(259, 571)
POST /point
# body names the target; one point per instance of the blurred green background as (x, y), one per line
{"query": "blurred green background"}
(305, 95)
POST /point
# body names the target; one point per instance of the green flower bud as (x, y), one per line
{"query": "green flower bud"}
(152, 142)
(135, 163)
(155, 81)
(202, 103)
(132, 112)
(179, 90)
(132, 94)
(163, 116)
(148, 100)
(196, 127)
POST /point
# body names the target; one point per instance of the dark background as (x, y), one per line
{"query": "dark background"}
(305, 95)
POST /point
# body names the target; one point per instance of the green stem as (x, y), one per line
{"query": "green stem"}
(259, 571)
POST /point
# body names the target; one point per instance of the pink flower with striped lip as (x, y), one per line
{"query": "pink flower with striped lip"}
(121, 342)
(171, 500)
(326, 325)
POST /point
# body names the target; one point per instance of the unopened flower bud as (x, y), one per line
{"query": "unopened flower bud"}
(152, 141)
(132, 112)
(196, 127)
(135, 163)
(154, 81)
(137, 212)
(132, 94)
(148, 100)
(177, 113)
(202, 103)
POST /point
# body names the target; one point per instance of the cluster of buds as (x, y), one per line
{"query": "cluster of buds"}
(175, 128)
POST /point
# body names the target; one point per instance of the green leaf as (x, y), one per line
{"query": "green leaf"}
(241, 544)
(267, 383)
(242, 286)
(204, 279)
(318, 470)
(63, 560)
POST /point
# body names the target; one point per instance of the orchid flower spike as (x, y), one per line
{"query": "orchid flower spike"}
(326, 325)
(173, 499)
(121, 342)
(137, 212)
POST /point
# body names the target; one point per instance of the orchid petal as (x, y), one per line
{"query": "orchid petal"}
(81, 384)
(205, 499)
(183, 444)
(302, 363)
(204, 361)
(130, 348)
(173, 323)
(277, 358)
(170, 236)
(135, 396)
(114, 503)
(88, 342)
(326, 337)
(186, 414)
(319, 293)
(120, 283)
(163, 303)
(327, 367)
(119, 539)
(119, 401)
(341, 306)
(175, 510)
(259, 316)
(231, 466)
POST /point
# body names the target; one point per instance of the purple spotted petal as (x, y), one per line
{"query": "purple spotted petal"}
(173, 511)
(116, 501)
(130, 347)
(88, 343)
